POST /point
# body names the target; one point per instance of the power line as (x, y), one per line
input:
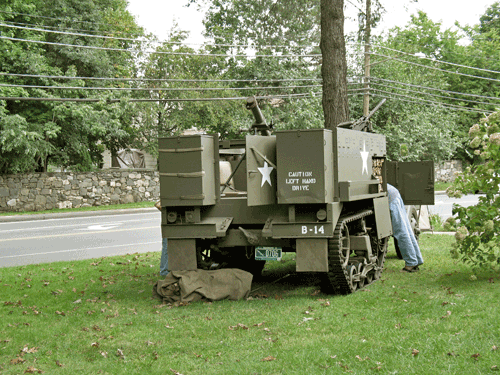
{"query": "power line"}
(424, 101)
(156, 88)
(57, 31)
(437, 69)
(434, 104)
(437, 61)
(159, 52)
(435, 89)
(156, 79)
(96, 100)
(9, 23)
(55, 18)
(433, 95)
(73, 33)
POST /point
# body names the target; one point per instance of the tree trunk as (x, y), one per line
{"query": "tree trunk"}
(334, 66)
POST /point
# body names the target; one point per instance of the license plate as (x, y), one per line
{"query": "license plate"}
(268, 253)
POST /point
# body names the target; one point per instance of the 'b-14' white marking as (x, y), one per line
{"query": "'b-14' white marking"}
(364, 156)
(266, 174)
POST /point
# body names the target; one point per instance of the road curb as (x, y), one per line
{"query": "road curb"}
(65, 215)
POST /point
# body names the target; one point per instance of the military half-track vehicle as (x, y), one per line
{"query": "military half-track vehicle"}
(320, 193)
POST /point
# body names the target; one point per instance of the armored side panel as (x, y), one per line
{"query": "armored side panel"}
(306, 170)
(189, 174)
(414, 180)
(261, 170)
(382, 217)
(356, 151)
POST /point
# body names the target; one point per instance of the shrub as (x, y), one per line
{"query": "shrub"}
(477, 240)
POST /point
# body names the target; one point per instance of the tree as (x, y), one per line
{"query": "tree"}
(490, 20)
(416, 131)
(279, 39)
(478, 234)
(334, 65)
(64, 134)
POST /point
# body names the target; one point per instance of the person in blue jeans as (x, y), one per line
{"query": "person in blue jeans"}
(164, 258)
(403, 231)
(164, 253)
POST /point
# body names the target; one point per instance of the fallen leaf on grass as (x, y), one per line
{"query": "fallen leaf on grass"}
(237, 326)
(60, 313)
(32, 370)
(104, 354)
(59, 364)
(452, 354)
(361, 359)
(494, 347)
(175, 372)
(119, 353)
(494, 368)
(17, 360)
(415, 352)
(26, 349)
(448, 313)
(94, 345)
(476, 356)
(267, 359)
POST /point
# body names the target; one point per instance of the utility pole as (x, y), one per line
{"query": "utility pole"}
(366, 80)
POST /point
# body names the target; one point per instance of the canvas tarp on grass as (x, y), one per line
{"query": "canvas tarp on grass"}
(190, 286)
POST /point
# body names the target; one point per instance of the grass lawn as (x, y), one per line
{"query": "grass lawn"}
(98, 317)
(441, 186)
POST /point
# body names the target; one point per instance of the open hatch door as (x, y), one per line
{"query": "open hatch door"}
(414, 180)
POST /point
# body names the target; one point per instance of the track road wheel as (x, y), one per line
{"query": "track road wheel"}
(344, 274)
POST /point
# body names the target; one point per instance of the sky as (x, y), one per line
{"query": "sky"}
(158, 16)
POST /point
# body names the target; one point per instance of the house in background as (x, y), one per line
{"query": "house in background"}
(129, 158)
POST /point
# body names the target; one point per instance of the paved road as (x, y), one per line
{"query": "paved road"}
(76, 238)
(58, 237)
(443, 204)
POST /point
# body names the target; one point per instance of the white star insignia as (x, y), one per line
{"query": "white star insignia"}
(266, 174)
(364, 156)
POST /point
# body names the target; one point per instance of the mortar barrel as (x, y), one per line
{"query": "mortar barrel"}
(254, 107)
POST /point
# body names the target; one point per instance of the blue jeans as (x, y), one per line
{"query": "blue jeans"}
(164, 258)
(401, 227)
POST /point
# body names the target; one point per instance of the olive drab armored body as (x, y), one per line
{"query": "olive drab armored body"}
(320, 193)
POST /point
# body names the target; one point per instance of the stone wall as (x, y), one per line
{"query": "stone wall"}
(45, 191)
(445, 171)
